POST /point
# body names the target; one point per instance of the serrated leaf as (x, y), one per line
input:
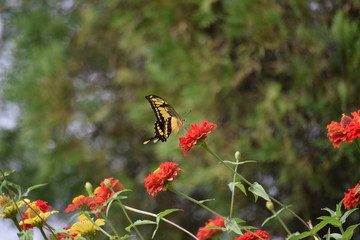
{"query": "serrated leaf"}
(233, 226)
(258, 190)
(139, 222)
(349, 232)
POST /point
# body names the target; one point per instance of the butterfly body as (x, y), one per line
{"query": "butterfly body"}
(167, 119)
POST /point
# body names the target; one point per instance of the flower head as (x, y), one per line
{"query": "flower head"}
(8, 208)
(86, 228)
(347, 129)
(352, 198)
(161, 177)
(36, 214)
(195, 135)
(208, 233)
(249, 236)
(98, 199)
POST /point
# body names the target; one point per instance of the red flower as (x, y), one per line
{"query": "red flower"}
(101, 195)
(65, 234)
(161, 177)
(248, 236)
(81, 203)
(42, 205)
(195, 134)
(105, 192)
(352, 198)
(347, 129)
(208, 233)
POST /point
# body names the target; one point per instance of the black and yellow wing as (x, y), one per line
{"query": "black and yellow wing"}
(167, 119)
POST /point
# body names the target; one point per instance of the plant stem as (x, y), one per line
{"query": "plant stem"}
(164, 219)
(129, 219)
(281, 222)
(233, 191)
(43, 233)
(204, 145)
(194, 201)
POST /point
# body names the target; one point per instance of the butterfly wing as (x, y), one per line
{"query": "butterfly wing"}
(167, 119)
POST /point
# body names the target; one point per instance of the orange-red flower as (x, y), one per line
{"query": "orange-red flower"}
(195, 134)
(102, 193)
(208, 233)
(248, 236)
(352, 198)
(35, 215)
(347, 129)
(161, 177)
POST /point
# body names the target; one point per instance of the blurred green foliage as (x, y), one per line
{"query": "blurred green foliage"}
(271, 74)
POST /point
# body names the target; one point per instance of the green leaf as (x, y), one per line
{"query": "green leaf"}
(139, 222)
(161, 215)
(239, 163)
(206, 200)
(299, 236)
(349, 232)
(332, 213)
(258, 190)
(233, 226)
(26, 235)
(239, 185)
(336, 235)
(272, 217)
(33, 188)
(331, 220)
(347, 214)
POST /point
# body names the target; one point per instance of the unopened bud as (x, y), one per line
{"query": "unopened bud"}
(89, 188)
(107, 183)
(270, 205)
(237, 155)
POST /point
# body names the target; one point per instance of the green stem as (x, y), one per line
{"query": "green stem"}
(194, 201)
(204, 145)
(281, 222)
(233, 191)
(100, 229)
(164, 219)
(43, 233)
(129, 219)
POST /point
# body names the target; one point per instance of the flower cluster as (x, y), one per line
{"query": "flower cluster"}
(160, 179)
(205, 233)
(196, 135)
(85, 227)
(36, 214)
(257, 235)
(9, 209)
(347, 129)
(100, 196)
(352, 198)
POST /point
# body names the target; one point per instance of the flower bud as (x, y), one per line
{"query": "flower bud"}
(237, 155)
(89, 188)
(270, 205)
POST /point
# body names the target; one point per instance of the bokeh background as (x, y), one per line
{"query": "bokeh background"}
(270, 74)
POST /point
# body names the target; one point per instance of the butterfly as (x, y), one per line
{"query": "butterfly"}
(167, 119)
